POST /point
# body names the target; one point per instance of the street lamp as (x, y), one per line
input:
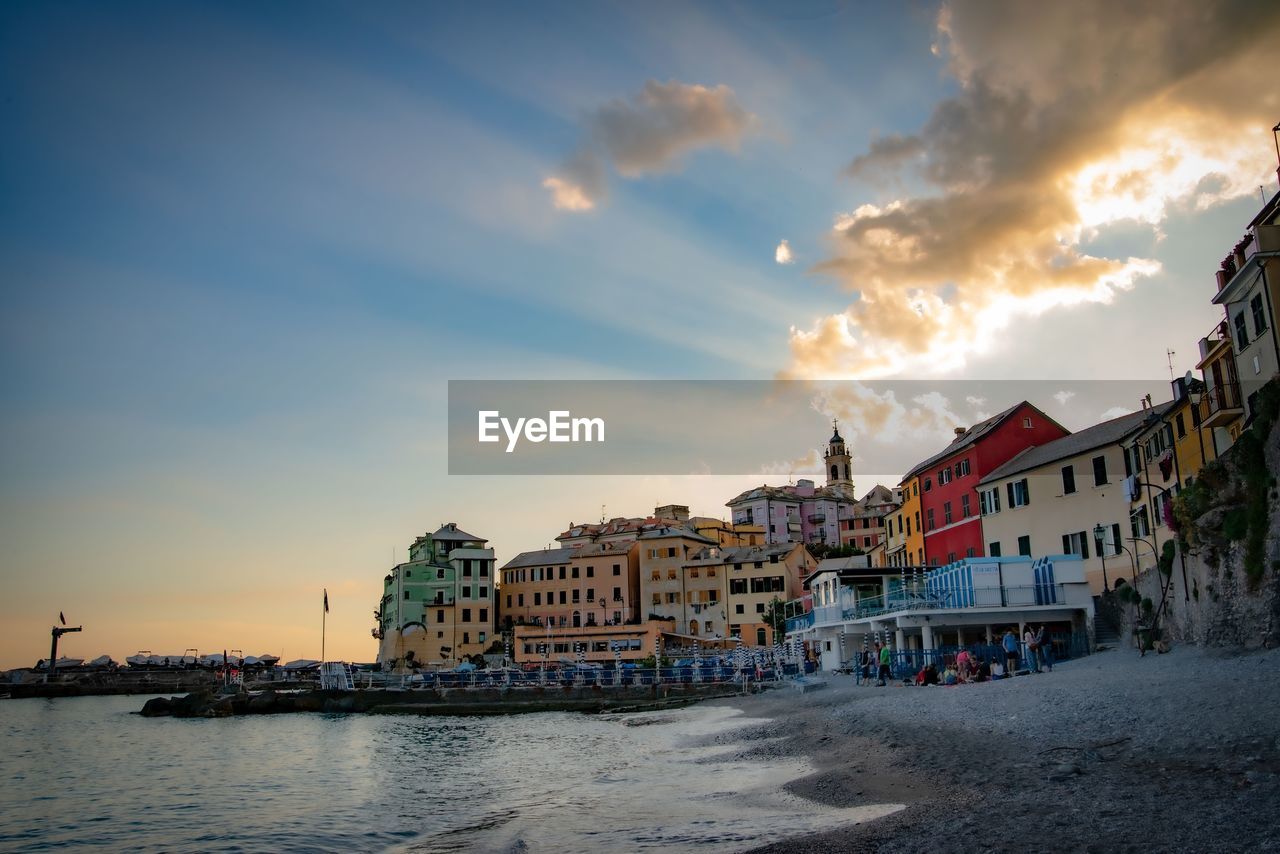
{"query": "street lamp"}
(1098, 533)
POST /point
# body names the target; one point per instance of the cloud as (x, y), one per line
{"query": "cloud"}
(1115, 412)
(1063, 396)
(1060, 128)
(783, 253)
(648, 134)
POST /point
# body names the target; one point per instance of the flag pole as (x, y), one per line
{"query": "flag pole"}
(323, 620)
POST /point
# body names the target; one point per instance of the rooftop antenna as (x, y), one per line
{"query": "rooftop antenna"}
(1169, 354)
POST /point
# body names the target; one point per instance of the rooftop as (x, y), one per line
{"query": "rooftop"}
(1098, 436)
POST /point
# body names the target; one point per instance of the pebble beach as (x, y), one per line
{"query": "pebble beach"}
(1112, 752)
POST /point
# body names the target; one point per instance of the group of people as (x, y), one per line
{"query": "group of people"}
(1034, 652)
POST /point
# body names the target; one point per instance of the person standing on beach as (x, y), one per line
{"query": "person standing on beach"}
(885, 659)
(1010, 643)
(1045, 648)
(1033, 649)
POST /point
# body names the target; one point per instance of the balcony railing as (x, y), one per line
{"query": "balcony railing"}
(898, 601)
(1221, 404)
(817, 518)
(1219, 336)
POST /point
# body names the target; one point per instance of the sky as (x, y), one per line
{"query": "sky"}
(244, 248)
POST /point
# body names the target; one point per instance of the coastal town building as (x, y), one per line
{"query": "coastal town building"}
(728, 591)
(1248, 287)
(589, 585)
(948, 480)
(437, 608)
(831, 515)
(1070, 496)
(922, 609)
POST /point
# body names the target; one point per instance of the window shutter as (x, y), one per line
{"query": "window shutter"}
(1066, 544)
(1128, 466)
(1026, 492)
(995, 499)
(1084, 545)
(1009, 486)
(1115, 539)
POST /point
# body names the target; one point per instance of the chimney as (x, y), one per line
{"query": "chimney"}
(960, 431)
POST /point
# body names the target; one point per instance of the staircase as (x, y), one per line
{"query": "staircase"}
(1105, 633)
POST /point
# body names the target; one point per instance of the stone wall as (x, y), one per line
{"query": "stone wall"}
(1210, 601)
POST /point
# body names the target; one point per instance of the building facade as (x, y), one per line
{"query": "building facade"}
(1070, 496)
(948, 480)
(437, 608)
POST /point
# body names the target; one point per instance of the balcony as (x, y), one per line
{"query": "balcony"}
(1213, 344)
(1221, 405)
(817, 518)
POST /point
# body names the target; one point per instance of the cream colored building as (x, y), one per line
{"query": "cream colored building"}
(1051, 499)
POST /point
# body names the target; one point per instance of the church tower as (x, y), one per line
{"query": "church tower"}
(838, 462)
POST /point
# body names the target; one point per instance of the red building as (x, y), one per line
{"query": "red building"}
(949, 511)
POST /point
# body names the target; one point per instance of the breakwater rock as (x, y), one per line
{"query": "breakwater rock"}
(452, 701)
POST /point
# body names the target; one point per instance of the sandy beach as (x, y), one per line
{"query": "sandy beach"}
(1113, 752)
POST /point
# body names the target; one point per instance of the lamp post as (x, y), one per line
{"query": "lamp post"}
(604, 615)
(1098, 533)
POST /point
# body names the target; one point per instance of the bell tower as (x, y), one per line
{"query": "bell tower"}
(837, 458)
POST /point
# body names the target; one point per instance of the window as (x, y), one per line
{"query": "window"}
(466, 615)
(739, 609)
(1019, 496)
(484, 570)
(562, 598)
(866, 542)
(737, 585)
(520, 600)
(673, 598)
(671, 551)
(1181, 425)
(1242, 332)
(408, 573)
(946, 513)
(575, 572)
(562, 570)
(439, 616)
(1099, 471)
(918, 528)
(962, 467)
(466, 637)
(1259, 316)
(484, 615)
(617, 569)
(657, 598)
(1068, 480)
(993, 549)
(989, 501)
(617, 594)
(1024, 545)
(466, 591)
(908, 526)
(971, 552)
(657, 575)
(915, 487)
(466, 568)
(965, 510)
(439, 573)
(1139, 523)
(928, 484)
(483, 593)
(1076, 544)
(508, 600)
(1026, 423)
(944, 476)
(406, 595)
(671, 575)
(930, 515)
(537, 598)
(761, 638)
(951, 557)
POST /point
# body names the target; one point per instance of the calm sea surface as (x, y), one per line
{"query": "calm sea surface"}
(86, 771)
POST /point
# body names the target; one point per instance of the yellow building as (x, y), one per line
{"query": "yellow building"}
(1221, 406)
(911, 533)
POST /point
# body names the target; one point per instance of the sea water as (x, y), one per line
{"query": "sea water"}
(87, 771)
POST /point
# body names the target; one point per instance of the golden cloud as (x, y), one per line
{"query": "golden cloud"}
(1070, 118)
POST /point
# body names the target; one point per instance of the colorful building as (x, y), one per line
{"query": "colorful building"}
(437, 608)
(949, 479)
(1248, 287)
(727, 591)
(831, 515)
(1069, 496)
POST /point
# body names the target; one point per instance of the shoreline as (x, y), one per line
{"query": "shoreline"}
(1179, 752)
